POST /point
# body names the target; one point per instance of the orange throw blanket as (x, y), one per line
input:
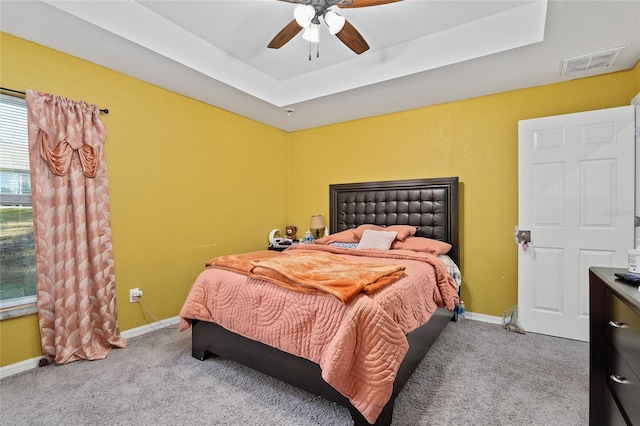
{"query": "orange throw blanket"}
(313, 272)
(239, 263)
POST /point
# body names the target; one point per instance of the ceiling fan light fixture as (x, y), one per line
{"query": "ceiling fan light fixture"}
(334, 21)
(312, 33)
(304, 14)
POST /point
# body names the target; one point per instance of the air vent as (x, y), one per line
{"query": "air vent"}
(591, 62)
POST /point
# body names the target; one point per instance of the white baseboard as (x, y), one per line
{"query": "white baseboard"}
(484, 318)
(139, 331)
(19, 367)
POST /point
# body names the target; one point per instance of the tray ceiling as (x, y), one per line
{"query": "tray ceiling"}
(423, 52)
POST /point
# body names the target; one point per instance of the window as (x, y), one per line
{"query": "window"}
(17, 252)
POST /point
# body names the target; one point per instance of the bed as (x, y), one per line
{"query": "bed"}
(430, 206)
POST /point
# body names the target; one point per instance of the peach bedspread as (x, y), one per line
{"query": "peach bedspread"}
(359, 346)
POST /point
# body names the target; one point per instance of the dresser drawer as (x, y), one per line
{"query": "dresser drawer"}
(623, 384)
(623, 330)
(612, 415)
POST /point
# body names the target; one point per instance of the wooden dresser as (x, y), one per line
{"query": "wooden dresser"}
(614, 384)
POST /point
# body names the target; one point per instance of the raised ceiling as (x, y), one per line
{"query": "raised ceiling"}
(423, 52)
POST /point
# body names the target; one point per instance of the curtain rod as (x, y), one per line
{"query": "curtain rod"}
(106, 111)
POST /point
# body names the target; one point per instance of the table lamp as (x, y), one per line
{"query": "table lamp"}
(316, 226)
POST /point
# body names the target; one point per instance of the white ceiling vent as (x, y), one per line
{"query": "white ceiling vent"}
(591, 62)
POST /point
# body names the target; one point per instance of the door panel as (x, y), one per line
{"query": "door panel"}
(576, 196)
(548, 194)
(547, 286)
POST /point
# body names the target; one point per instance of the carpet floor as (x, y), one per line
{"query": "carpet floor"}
(475, 374)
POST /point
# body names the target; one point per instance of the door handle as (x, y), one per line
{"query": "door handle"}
(617, 324)
(618, 379)
(523, 237)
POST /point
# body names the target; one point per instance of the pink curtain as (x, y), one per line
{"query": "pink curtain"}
(74, 259)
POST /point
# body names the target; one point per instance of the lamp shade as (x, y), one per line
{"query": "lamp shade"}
(316, 222)
(304, 14)
(334, 21)
(312, 33)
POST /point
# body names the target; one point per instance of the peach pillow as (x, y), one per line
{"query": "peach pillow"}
(426, 245)
(403, 231)
(347, 236)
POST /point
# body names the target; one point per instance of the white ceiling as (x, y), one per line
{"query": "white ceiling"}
(423, 52)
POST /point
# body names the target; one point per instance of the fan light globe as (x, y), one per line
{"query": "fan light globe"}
(334, 21)
(312, 33)
(304, 14)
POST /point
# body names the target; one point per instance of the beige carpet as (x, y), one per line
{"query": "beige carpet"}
(475, 374)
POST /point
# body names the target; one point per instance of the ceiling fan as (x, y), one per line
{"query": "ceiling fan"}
(307, 16)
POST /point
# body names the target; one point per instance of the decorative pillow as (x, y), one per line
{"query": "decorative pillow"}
(344, 245)
(347, 236)
(403, 231)
(426, 245)
(379, 240)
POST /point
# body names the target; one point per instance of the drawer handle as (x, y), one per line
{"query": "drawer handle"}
(618, 379)
(617, 324)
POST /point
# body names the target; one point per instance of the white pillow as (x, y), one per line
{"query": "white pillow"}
(380, 240)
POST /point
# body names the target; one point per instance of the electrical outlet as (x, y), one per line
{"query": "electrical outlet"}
(134, 295)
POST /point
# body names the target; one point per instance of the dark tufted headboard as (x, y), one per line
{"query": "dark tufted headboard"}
(431, 205)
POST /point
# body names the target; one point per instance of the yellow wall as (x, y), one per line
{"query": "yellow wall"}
(636, 79)
(474, 139)
(189, 181)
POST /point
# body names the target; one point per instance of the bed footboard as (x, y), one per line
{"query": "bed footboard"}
(209, 339)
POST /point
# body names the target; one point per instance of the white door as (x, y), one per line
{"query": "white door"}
(576, 196)
(637, 105)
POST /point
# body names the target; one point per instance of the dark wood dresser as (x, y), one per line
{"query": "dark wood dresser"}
(614, 384)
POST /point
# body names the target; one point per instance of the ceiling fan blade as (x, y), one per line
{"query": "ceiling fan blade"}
(286, 34)
(352, 38)
(364, 3)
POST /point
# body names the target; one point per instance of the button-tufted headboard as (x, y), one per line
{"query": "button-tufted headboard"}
(431, 205)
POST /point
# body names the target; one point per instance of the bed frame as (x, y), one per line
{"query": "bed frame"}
(431, 205)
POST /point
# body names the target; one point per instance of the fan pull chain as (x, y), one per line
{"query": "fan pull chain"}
(317, 49)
